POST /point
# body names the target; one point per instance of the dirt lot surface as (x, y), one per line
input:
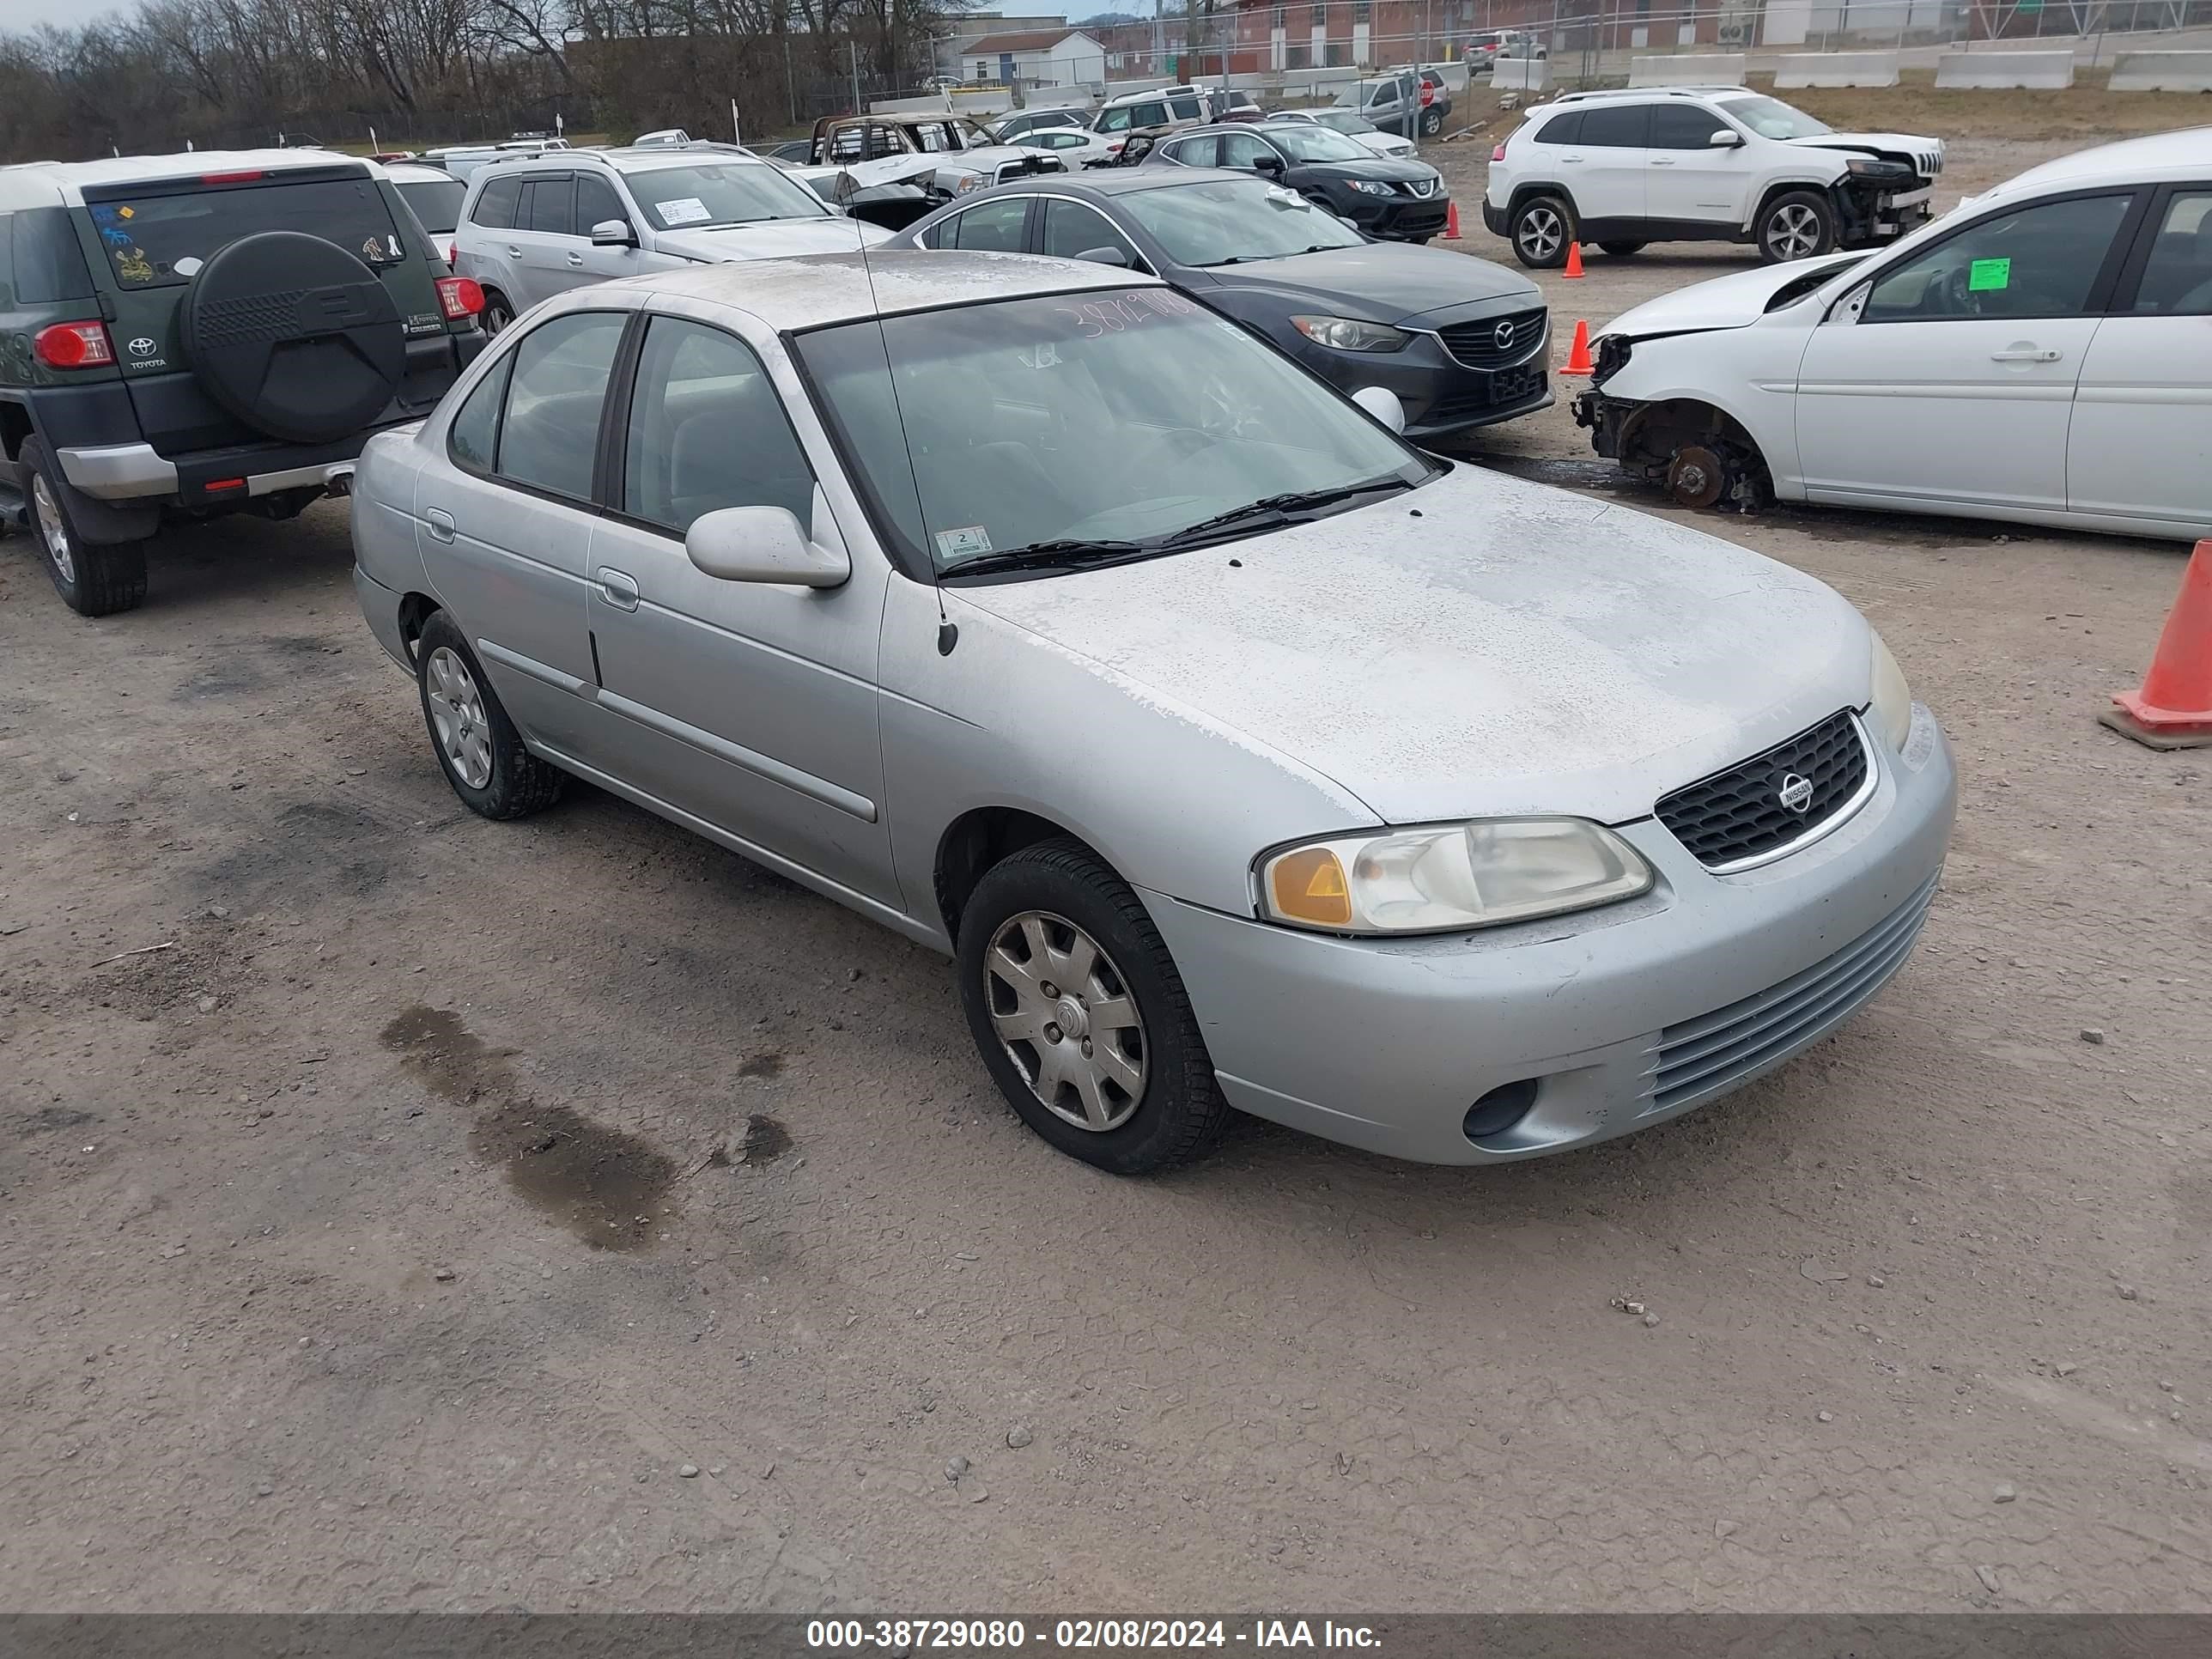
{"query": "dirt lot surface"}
(400, 1231)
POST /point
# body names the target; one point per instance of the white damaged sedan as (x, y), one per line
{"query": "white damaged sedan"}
(1263, 761)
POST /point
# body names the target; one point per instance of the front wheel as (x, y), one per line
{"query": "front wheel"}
(479, 750)
(95, 579)
(1541, 229)
(1081, 1015)
(1796, 225)
(1622, 249)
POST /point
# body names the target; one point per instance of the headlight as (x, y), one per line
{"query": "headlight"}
(971, 181)
(1371, 187)
(1350, 334)
(1454, 876)
(1892, 698)
(1866, 166)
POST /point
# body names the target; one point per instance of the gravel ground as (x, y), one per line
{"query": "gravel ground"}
(570, 1215)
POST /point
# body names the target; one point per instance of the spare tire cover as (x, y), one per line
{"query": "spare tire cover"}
(295, 335)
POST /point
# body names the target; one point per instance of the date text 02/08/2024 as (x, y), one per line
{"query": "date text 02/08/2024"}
(916, 1636)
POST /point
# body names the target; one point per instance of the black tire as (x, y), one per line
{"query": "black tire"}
(1432, 123)
(1541, 229)
(517, 783)
(1798, 224)
(95, 579)
(1622, 249)
(1178, 1110)
(498, 312)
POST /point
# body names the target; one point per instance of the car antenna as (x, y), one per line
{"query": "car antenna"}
(948, 632)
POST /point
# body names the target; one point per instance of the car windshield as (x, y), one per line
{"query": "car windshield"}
(1769, 118)
(714, 196)
(1346, 120)
(165, 237)
(1309, 144)
(1204, 421)
(436, 202)
(1218, 221)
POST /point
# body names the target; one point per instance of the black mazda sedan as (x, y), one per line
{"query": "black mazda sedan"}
(1462, 341)
(1394, 198)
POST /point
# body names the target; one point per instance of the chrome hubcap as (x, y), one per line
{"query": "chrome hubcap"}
(53, 529)
(1794, 232)
(1541, 233)
(457, 712)
(1065, 1018)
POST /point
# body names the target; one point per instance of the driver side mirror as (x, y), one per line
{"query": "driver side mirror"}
(1726, 138)
(1383, 403)
(1105, 256)
(763, 545)
(613, 233)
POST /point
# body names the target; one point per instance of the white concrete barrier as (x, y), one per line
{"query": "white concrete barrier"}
(1687, 69)
(1836, 68)
(1520, 74)
(2162, 71)
(2041, 71)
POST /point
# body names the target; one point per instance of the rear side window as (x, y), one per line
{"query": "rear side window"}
(998, 226)
(1186, 109)
(1561, 128)
(549, 207)
(495, 205)
(155, 240)
(473, 439)
(1198, 152)
(47, 261)
(436, 202)
(550, 432)
(1616, 126)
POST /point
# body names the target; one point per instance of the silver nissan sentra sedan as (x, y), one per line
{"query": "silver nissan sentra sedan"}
(1240, 754)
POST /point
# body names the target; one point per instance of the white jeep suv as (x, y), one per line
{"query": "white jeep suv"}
(1682, 164)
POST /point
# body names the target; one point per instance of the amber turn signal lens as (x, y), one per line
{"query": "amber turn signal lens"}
(1309, 886)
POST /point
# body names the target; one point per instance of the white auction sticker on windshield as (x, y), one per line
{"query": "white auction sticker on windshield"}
(963, 543)
(685, 210)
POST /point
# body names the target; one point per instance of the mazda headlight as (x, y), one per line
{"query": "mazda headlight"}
(1371, 187)
(1892, 698)
(1450, 878)
(1350, 334)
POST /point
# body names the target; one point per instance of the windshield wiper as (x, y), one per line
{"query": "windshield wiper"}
(1063, 554)
(1281, 508)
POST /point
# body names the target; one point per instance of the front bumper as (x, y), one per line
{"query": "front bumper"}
(1396, 218)
(1441, 394)
(1620, 1017)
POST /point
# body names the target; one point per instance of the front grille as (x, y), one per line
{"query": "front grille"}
(1760, 805)
(1422, 188)
(1480, 344)
(1482, 393)
(1702, 1057)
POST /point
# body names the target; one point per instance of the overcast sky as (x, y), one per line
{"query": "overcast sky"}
(29, 13)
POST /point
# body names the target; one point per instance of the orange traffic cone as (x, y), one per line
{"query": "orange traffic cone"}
(2174, 710)
(1451, 223)
(1574, 261)
(1578, 354)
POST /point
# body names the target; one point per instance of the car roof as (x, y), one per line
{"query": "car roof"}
(2185, 153)
(1109, 182)
(62, 182)
(1619, 94)
(417, 172)
(822, 288)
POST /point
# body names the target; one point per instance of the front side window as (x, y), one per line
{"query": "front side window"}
(1206, 420)
(1187, 109)
(714, 196)
(156, 239)
(1071, 230)
(549, 432)
(597, 203)
(1114, 120)
(707, 431)
(1684, 126)
(2178, 280)
(1215, 222)
(2040, 261)
(1769, 118)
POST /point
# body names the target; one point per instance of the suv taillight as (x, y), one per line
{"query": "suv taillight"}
(460, 296)
(74, 345)
(1497, 152)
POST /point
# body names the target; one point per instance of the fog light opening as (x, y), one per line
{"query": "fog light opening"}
(1501, 1108)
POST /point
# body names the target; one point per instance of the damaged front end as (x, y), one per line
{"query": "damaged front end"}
(1878, 200)
(1699, 455)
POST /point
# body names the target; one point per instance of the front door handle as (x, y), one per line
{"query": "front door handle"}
(1662, 161)
(1571, 160)
(619, 589)
(2026, 352)
(576, 260)
(440, 523)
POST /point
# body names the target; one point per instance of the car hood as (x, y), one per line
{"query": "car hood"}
(1516, 648)
(770, 238)
(1902, 145)
(1723, 302)
(1383, 143)
(1383, 284)
(1397, 169)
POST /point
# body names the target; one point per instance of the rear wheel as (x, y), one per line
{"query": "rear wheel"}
(1541, 230)
(479, 750)
(1432, 122)
(1622, 249)
(498, 311)
(1795, 225)
(94, 578)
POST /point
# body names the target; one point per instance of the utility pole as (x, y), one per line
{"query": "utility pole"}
(852, 47)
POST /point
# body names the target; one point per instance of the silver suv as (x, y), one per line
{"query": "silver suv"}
(535, 227)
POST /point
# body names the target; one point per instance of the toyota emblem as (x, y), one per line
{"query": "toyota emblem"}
(1797, 792)
(1504, 336)
(142, 347)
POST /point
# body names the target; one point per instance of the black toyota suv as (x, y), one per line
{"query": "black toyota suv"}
(187, 336)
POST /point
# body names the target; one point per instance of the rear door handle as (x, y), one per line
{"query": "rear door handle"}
(2026, 353)
(440, 523)
(513, 252)
(1571, 160)
(1662, 161)
(620, 590)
